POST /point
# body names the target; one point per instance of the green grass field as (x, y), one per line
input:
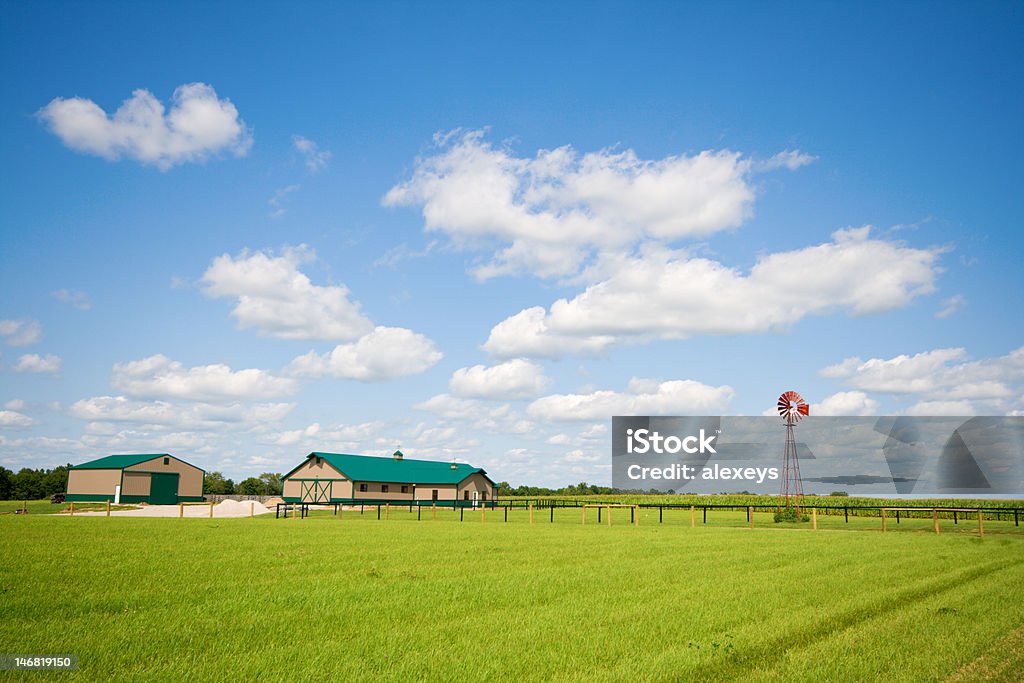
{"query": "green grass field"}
(325, 599)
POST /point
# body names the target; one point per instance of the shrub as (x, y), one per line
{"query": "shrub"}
(57, 498)
(790, 514)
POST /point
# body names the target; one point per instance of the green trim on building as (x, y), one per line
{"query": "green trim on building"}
(119, 462)
(441, 504)
(368, 468)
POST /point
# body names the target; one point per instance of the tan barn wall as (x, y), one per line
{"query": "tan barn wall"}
(311, 470)
(190, 480)
(476, 482)
(93, 481)
(340, 486)
(394, 492)
(135, 484)
(292, 488)
(444, 492)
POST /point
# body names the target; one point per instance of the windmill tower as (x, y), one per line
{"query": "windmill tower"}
(792, 408)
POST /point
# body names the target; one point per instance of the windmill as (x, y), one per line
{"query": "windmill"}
(792, 407)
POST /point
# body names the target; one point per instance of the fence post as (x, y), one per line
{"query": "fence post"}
(24, 507)
(660, 513)
(846, 514)
(433, 511)
(531, 513)
(584, 515)
(609, 513)
(387, 511)
(750, 516)
(814, 518)
(637, 516)
(211, 509)
(693, 516)
(252, 509)
(482, 508)
(981, 527)
(72, 508)
(462, 511)
(552, 513)
(181, 510)
(108, 508)
(883, 520)
(935, 519)
(378, 512)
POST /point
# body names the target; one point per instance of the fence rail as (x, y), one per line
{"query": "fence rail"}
(384, 511)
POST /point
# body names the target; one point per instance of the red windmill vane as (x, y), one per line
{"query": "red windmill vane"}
(792, 407)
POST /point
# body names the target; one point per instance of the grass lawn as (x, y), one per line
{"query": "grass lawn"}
(325, 599)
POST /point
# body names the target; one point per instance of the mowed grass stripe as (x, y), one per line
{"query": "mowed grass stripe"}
(327, 599)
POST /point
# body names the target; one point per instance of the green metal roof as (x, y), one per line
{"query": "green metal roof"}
(119, 462)
(390, 469)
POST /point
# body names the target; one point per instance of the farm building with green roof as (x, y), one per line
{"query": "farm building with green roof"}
(348, 479)
(155, 478)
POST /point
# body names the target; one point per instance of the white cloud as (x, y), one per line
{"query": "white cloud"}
(448, 406)
(951, 305)
(385, 353)
(11, 418)
(942, 408)
(666, 294)
(276, 202)
(160, 377)
(642, 397)
(845, 403)
(513, 379)
(15, 404)
(20, 332)
(33, 362)
(580, 455)
(945, 372)
(278, 300)
(162, 414)
(559, 440)
(550, 213)
(316, 158)
(480, 415)
(198, 125)
(527, 334)
(340, 437)
(79, 300)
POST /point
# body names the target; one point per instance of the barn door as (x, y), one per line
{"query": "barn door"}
(163, 488)
(316, 491)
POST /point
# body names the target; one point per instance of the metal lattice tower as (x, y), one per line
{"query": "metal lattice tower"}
(792, 408)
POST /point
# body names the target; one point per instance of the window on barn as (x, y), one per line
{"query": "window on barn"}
(167, 461)
(363, 488)
(433, 496)
(405, 489)
(465, 495)
(384, 488)
(484, 495)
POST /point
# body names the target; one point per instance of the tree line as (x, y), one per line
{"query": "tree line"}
(267, 484)
(30, 484)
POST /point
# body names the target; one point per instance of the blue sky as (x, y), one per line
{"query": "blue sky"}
(479, 230)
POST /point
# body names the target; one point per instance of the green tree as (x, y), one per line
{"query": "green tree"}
(56, 480)
(250, 487)
(6, 483)
(215, 483)
(271, 484)
(29, 484)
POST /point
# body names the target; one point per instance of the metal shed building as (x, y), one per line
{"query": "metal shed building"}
(155, 478)
(348, 479)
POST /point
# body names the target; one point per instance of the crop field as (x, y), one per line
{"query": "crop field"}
(353, 598)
